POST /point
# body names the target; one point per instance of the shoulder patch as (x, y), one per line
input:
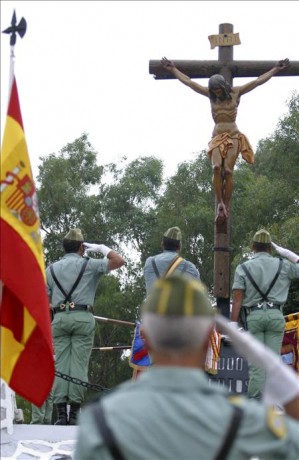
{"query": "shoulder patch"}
(276, 423)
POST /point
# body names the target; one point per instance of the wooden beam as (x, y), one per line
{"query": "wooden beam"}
(205, 69)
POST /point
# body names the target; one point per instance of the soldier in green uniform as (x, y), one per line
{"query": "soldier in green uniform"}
(260, 289)
(172, 411)
(169, 259)
(72, 283)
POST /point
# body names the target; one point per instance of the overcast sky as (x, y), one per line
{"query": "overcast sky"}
(83, 66)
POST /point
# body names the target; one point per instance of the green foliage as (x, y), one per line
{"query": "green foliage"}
(188, 201)
(111, 367)
(131, 199)
(277, 157)
(25, 405)
(65, 181)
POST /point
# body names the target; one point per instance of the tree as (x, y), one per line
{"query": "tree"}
(188, 202)
(131, 200)
(65, 180)
(277, 156)
(108, 368)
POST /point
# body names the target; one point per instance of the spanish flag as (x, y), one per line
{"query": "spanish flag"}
(27, 363)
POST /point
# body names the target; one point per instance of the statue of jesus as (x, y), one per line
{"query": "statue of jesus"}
(227, 141)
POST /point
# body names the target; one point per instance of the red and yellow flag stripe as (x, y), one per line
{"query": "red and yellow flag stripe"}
(27, 363)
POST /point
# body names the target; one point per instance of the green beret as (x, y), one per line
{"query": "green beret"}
(174, 233)
(178, 295)
(262, 236)
(74, 234)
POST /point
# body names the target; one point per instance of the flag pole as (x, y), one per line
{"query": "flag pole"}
(115, 321)
(117, 347)
(11, 70)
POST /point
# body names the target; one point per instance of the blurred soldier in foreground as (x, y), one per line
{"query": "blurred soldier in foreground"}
(171, 411)
(72, 284)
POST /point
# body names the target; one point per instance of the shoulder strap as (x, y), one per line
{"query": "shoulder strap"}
(68, 296)
(252, 281)
(171, 267)
(56, 281)
(155, 268)
(263, 295)
(275, 277)
(230, 434)
(106, 433)
(110, 441)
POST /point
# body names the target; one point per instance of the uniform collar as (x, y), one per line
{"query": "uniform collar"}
(261, 254)
(174, 378)
(72, 254)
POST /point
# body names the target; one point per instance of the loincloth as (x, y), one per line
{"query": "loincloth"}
(224, 142)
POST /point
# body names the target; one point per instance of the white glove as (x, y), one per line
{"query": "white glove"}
(286, 253)
(90, 247)
(236, 327)
(282, 384)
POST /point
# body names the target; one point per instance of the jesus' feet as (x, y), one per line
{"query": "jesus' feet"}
(222, 214)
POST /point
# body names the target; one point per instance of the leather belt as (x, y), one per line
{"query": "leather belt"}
(71, 306)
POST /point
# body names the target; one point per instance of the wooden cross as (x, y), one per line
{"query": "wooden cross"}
(229, 69)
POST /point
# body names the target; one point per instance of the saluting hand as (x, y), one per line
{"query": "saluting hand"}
(91, 247)
(283, 252)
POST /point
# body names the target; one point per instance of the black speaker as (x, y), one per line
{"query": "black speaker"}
(232, 370)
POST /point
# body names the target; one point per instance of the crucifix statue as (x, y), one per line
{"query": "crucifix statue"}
(227, 142)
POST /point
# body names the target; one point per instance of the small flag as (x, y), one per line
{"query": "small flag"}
(213, 352)
(27, 363)
(139, 358)
(290, 343)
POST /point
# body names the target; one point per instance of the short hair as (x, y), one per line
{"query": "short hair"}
(261, 247)
(177, 333)
(171, 244)
(71, 245)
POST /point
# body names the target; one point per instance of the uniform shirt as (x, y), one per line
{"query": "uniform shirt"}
(174, 413)
(67, 270)
(162, 261)
(263, 268)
